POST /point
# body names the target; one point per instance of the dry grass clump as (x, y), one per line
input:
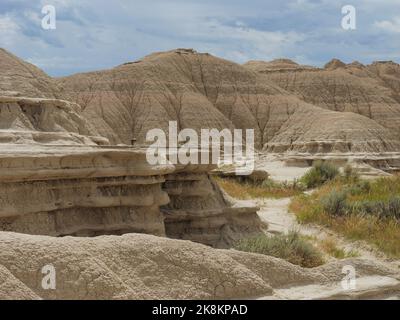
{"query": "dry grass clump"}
(251, 190)
(329, 246)
(292, 247)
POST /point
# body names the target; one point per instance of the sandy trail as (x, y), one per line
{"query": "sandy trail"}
(276, 213)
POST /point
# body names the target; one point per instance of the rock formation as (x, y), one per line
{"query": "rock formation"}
(335, 88)
(135, 266)
(201, 212)
(74, 183)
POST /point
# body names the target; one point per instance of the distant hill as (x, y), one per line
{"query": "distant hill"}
(340, 108)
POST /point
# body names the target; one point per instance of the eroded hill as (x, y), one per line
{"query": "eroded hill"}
(292, 108)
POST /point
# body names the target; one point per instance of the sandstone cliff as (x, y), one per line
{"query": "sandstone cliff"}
(74, 183)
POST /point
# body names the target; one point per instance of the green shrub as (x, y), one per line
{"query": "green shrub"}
(334, 203)
(389, 208)
(270, 184)
(320, 173)
(291, 247)
(359, 188)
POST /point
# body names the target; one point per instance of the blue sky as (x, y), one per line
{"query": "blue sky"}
(99, 34)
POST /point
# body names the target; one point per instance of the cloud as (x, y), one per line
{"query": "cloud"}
(389, 25)
(9, 30)
(97, 34)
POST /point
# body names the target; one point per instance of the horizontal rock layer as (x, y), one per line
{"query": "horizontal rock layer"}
(199, 211)
(58, 180)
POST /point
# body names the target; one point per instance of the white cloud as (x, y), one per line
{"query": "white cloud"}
(241, 43)
(389, 25)
(8, 30)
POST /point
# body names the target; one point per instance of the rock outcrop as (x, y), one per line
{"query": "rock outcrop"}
(58, 179)
(138, 266)
(199, 211)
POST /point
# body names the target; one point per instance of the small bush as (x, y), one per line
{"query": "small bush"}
(291, 247)
(320, 173)
(335, 203)
(361, 187)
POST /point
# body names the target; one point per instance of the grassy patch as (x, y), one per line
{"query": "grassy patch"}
(251, 190)
(291, 247)
(329, 246)
(359, 210)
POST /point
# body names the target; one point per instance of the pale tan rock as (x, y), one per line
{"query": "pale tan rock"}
(346, 89)
(20, 78)
(138, 266)
(199, 211)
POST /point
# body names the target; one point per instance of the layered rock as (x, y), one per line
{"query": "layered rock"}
(199, 211)
(292, 108)
(197, 90)
(58, 179)
(201, 91)
(339, 89)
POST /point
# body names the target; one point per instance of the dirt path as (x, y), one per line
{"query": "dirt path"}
(275, 212)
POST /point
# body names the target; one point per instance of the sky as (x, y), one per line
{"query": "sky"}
(99, 34)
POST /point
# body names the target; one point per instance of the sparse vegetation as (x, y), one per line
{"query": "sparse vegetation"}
(291, 247)
(334, 203)
(329, 246)
(246, 189)
(360, 210)
(321, 172)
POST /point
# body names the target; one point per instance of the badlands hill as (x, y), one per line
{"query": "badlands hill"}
(371, 91)
(293, 108)
(18, 77)
(200, 90)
